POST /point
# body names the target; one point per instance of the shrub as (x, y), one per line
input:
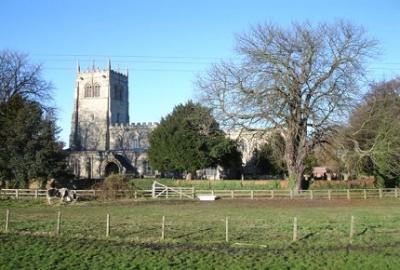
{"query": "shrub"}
(340, 184)
(110, 185)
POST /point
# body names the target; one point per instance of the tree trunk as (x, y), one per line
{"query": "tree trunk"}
(296, 152)
(296, 177)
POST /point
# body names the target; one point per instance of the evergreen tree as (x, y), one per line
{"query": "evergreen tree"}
(270, 158)
(189, 139)
(28, 144)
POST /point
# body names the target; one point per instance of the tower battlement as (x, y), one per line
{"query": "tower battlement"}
(135, 125)
(96, 69)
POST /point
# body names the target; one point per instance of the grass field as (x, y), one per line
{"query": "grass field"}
(260, 235)
(248, 184)
(207, 185)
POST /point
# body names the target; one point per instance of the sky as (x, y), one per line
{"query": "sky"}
(165, 45)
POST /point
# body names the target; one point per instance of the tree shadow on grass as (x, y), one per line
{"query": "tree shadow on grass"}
(192, 233)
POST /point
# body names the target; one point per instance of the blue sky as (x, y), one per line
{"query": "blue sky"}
(164, 44)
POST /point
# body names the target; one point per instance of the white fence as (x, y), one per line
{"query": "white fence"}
(190, 193)
(159, 190)
(328, 194)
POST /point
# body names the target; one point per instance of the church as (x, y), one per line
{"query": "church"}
(102, 140)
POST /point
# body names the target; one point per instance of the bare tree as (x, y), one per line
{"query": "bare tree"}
(19, 77)
(370, 143)
(298, 80)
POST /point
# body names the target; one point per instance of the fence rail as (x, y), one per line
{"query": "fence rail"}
(328, 194)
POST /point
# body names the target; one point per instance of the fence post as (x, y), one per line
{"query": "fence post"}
(36, 193)
(329, 194)
(295, 229)
(166, 193)
(351, 229)
(311, 195)
(291, 194)
(380, 193)
(212, 192)
(272, 193)
(193, 193)
(395, 193)
(227, 229)
(108, 226)
(163, 228)
(232, 195)
(153, 190)
(16, 194)
(365, 194)
(348, 194)
(252, 194)
(7, 220)
(135, 194)
(58, 223)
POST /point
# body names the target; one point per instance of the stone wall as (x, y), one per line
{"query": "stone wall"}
(133, 136)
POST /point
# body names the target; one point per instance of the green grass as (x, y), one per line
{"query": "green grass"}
(260, 235)
(29, 252)
(246, 184)
(208, 185)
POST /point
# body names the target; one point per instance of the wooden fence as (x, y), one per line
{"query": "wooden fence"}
(329, 194)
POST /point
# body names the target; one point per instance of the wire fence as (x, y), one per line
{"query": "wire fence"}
(278, 231)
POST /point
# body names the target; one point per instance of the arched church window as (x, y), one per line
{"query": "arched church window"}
(120, 142)
(243, 146)
(89, 167)
(118, 92)
(88, 90)
(121, 92)
(146, 167)
(77, 167)
(136, 142)
(96, 90)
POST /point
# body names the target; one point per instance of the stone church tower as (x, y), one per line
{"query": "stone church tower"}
(102, 141)
(101, 100)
